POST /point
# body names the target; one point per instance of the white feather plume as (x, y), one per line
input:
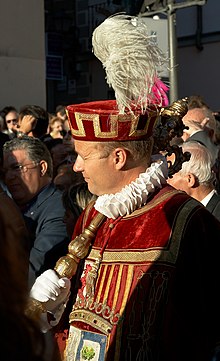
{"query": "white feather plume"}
(131, 59)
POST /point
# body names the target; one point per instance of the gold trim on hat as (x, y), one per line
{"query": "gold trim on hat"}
(113, 121)
(134, 132)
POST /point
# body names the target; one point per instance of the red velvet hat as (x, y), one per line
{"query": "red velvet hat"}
(100, 121)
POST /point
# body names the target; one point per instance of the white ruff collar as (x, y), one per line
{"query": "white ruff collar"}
(134, 195)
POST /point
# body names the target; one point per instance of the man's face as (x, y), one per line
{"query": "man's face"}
(57, 127)
(98, 172)
(12, 121)
(22, 176)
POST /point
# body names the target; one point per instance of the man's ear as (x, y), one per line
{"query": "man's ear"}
(120, 157)
(191, 180)
(43, 167)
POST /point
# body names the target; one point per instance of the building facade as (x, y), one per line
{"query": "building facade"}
(46, 56)
(83, 79)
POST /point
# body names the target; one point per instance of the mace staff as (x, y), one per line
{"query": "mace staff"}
(67, 265)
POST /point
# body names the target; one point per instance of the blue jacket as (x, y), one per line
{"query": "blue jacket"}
(48, 236)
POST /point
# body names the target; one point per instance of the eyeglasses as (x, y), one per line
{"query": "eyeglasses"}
(19, 168)
(11, 121)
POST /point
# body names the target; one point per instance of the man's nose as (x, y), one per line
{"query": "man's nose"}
(78, 165)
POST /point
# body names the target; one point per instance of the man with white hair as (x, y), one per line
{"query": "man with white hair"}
(197, 177)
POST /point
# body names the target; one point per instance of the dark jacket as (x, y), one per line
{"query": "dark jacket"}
(3, 138)
(48, 236)
(214, 205)
(203, 138)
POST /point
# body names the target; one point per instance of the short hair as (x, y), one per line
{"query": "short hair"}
(35, 148)
(200, 164)
(60, 109)
(55, 119)
(5, 111)
(40, 114)
(139, 150)
(197, 101)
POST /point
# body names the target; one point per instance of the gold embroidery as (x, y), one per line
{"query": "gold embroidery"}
(81, 131)
(118, 285)
(108, 284)
(113, 121)
(149, 255)
(162, 254)
(134, 132)
(152, 204)
(127, 288)
(98, 315)
(113, 128)
(95, 321)
(102, 282)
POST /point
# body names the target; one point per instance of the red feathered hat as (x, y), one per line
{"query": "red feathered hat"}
(131, 60)
(100, 121)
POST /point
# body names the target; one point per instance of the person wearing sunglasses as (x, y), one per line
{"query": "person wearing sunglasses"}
(10, 117)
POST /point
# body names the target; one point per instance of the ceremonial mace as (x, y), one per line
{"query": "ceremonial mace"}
(67, 265)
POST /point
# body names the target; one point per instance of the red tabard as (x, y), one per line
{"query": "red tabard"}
(149, 301)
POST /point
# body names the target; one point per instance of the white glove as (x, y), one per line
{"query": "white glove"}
(53, 292)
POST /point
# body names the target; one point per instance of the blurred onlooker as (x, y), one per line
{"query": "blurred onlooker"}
(204, 117)
(52, 142)
(2, 127)
(28, 173)
(3, 138)
(62, 154)
(217, 133)
(13, 222)
(21, 338)
(66, 176)
(56, 127)
(10, 118)
(201, 128)
(33, 121)
(216, 169)
(75, 199)
(197, 101)
(197, 177)
(67, 138)
(61, 112)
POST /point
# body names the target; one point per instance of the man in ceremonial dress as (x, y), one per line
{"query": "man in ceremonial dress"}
(146, 286)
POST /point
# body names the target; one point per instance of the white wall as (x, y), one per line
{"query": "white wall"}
(22, 53)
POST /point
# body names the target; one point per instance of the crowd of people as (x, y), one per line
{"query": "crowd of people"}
(38, 213)
(105, 254)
